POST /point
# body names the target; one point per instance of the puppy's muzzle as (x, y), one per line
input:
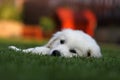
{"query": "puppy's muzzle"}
(56, 53)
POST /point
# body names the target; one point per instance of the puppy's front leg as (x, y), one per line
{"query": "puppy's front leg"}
(41, 50)
(37, 50)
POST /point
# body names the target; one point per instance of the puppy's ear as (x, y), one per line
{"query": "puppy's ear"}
(53, 39)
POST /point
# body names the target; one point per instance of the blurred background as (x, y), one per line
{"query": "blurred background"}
(39, 19)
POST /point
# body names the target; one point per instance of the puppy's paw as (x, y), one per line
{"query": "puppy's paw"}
(41, 50)
(13, 48)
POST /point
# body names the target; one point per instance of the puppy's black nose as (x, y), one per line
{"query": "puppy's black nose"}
(56, 53)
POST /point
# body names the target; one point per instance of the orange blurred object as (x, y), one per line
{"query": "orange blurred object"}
(92, 22)
(34, 32)
(66, 16)
(87, 20)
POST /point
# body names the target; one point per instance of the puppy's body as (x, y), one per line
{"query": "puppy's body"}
(67, 43)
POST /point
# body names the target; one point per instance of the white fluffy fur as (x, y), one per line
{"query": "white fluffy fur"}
(83, 44)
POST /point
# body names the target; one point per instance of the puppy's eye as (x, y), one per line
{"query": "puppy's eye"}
(73, 51)
(62, 41)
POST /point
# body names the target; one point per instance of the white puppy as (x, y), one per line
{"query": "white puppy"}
(67, 43)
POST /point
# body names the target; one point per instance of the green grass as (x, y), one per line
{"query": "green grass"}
(20, 66)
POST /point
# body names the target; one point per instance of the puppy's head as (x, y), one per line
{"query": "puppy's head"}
(69, 43)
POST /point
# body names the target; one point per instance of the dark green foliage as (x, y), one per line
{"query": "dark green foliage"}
(20, 66)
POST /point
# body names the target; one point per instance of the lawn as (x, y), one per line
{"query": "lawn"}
(20, 66)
